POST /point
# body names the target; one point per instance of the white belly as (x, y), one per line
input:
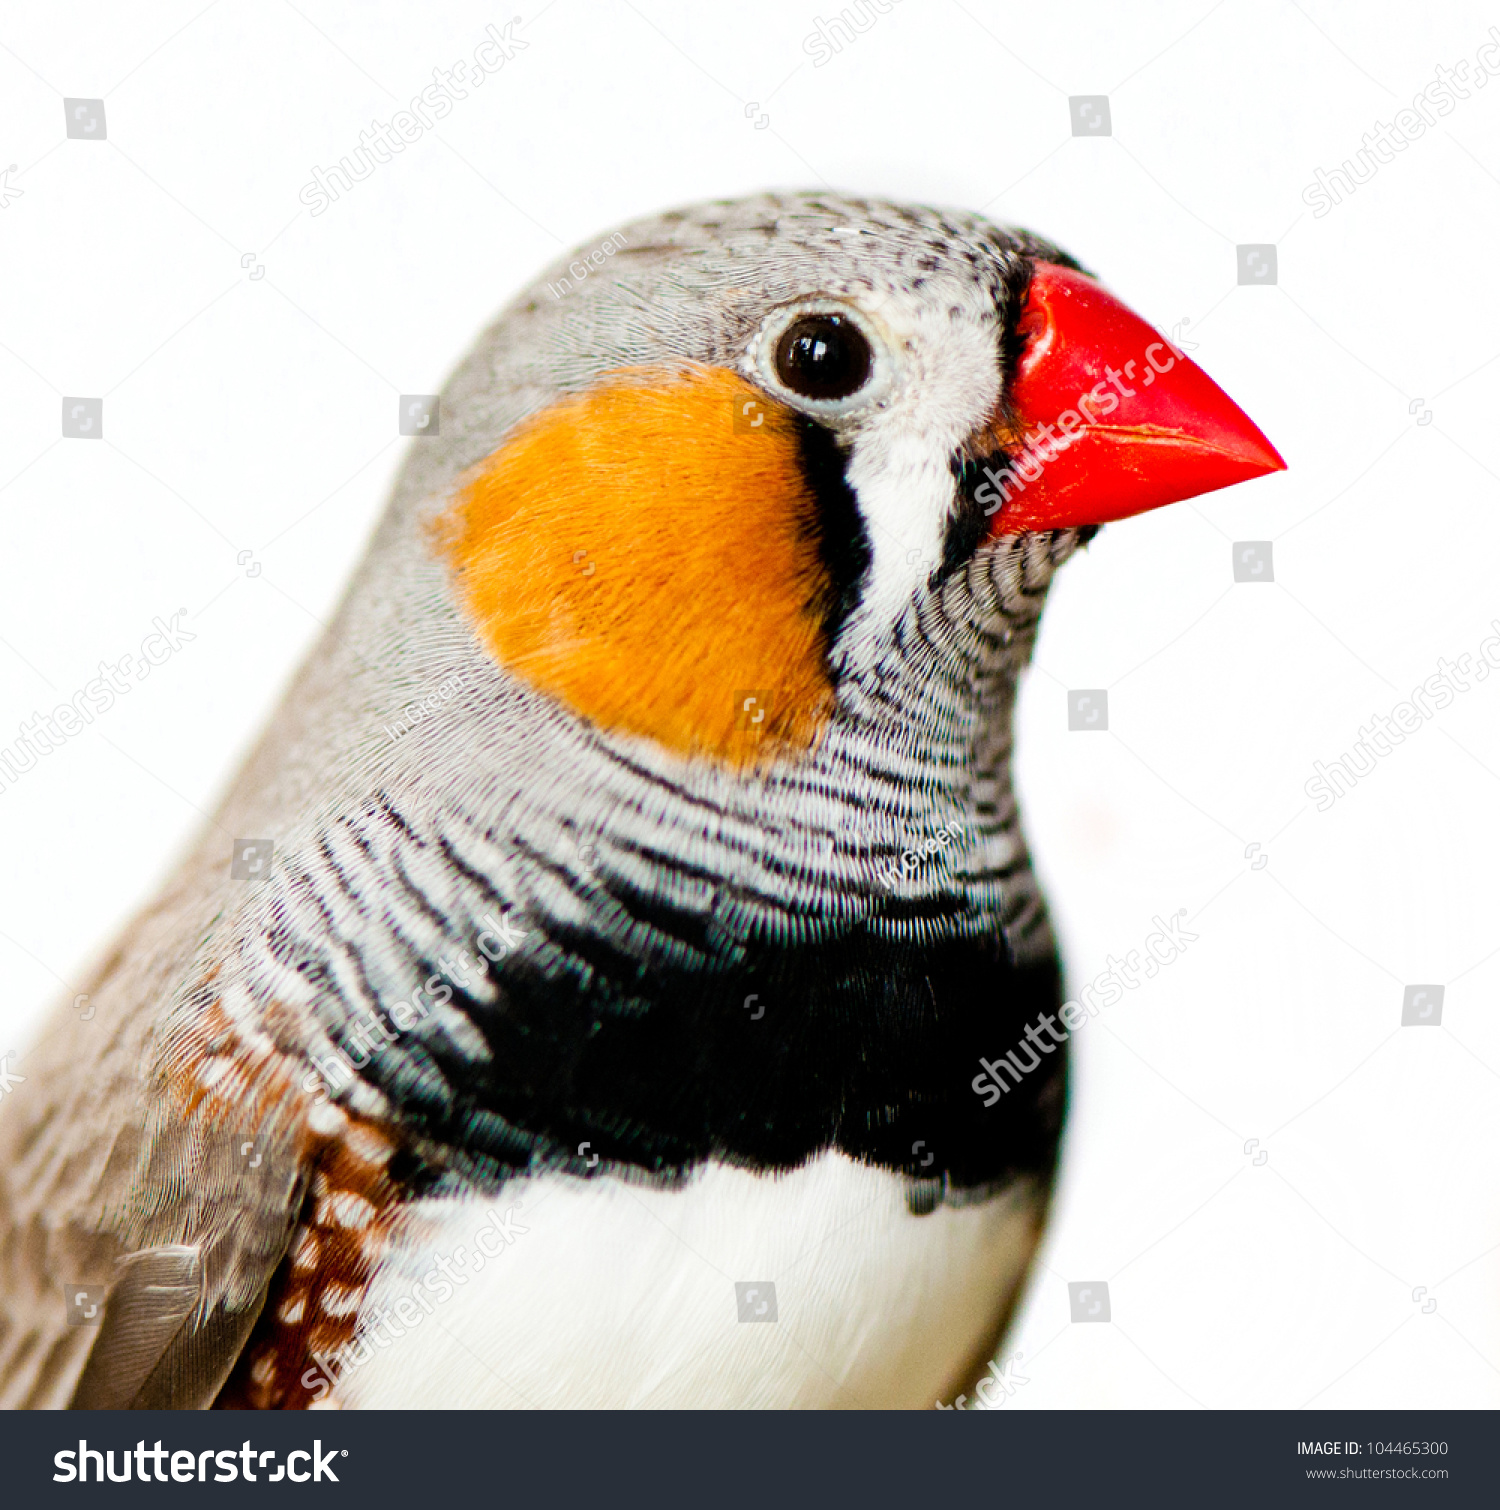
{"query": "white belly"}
(616, 1295)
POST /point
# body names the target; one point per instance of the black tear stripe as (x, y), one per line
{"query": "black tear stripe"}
(969, 523)
(868, 1043)
(836, 526)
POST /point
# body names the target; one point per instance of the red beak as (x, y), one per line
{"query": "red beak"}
(1108, 418)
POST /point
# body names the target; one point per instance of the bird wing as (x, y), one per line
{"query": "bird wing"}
(140, 1221)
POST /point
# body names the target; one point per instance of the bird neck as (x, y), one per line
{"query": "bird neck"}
(574, 946)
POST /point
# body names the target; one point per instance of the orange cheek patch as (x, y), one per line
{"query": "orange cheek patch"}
(647, 553)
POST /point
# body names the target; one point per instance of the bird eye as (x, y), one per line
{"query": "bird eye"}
(823, 356)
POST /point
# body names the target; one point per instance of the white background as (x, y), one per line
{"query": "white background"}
(258, 414)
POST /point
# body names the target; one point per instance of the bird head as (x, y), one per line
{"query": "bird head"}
(774, 430)
(764, 496)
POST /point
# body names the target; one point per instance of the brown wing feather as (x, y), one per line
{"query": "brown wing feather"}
(125, 1164)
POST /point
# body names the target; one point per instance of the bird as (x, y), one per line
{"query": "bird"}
(580, 997)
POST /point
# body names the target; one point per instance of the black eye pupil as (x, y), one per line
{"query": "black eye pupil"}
(823, 356)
